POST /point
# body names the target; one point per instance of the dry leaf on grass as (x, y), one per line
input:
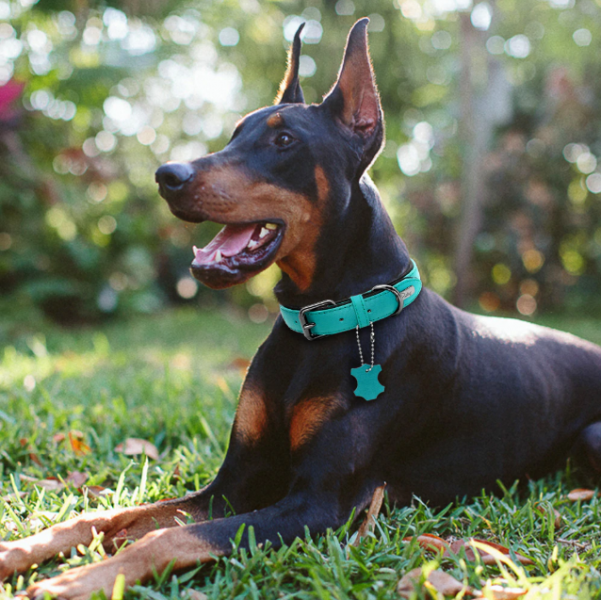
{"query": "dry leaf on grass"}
(196, 595)
(51, 484)
(77, 478)
(95, 491)
(427, 541)
(136, 446)
(438, 580)
(543, 511)
(77, 444)
(487, 558)
(498, 592)
(12, 496)
(372, 514)
(27, 478)
(581, 494)
(32, 455)
(34, 458)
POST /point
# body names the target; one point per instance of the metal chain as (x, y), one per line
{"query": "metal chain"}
(372, 338)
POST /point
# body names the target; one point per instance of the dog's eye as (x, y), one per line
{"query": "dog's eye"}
(283, 139)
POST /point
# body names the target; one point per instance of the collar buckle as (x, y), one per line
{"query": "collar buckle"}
(302, 317)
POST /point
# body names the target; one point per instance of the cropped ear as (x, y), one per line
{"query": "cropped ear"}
(354, 99)
(290, 90)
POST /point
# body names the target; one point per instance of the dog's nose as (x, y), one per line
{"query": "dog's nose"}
(173, 176)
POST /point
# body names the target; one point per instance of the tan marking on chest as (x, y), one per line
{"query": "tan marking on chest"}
(308, 417)
(251, 416)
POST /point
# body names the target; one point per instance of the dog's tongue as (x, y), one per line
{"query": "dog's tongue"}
(231, 240)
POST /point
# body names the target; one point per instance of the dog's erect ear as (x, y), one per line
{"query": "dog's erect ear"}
(354, 99)
(290, 90)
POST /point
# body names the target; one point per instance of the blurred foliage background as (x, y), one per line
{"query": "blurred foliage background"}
(490, 168)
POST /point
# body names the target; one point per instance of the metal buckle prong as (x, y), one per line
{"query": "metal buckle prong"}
(302, 317)
(399, 295)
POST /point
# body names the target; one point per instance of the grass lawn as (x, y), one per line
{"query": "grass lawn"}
(68, 399)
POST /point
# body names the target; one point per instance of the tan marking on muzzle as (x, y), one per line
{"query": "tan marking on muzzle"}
(226, 194)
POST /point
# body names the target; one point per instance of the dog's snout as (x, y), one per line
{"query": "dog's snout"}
(173, 176)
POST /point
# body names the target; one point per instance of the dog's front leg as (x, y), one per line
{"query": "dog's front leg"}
(254, 474)
(325, 487)
(133, 522)
(192, 544)
(120, 525)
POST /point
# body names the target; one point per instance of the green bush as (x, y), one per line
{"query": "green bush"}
(110, 92)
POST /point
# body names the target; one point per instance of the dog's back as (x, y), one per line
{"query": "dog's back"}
(504, 400)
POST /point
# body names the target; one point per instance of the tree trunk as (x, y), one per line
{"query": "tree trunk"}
(485, 97)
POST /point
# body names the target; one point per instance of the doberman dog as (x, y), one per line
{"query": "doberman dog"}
(467, 401)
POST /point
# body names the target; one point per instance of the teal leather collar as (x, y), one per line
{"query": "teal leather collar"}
(315, 321)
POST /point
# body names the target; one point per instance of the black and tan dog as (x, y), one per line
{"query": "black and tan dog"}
(468, 400)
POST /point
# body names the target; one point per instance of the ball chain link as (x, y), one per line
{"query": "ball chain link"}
(372, 338)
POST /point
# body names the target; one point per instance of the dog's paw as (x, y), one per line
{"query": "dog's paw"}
(76, 584)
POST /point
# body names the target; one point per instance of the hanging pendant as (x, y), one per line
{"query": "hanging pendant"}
(368, 386)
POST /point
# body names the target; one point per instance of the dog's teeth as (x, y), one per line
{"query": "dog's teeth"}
(195, 250)
(263, 232)
(218, 256)
(271, 226)
(252, 244)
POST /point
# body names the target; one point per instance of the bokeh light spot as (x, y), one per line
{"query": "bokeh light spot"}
(489, 301)
(107, 224)
(187, 287)
(441, 40)
(345, 8)
(593, 183)
(481, 16)
(526, 305)
(376, 23)
(501, 274)
(495, 45)
(307, 66)
(533, 260)
(582, 37)
(258, 313)
(518, 46)
(229, 36)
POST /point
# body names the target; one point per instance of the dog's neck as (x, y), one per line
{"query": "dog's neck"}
(357, 250)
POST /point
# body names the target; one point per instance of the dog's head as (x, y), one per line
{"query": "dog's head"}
(287, 170)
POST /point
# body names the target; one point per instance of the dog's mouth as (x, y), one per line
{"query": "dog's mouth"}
(236, 253)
